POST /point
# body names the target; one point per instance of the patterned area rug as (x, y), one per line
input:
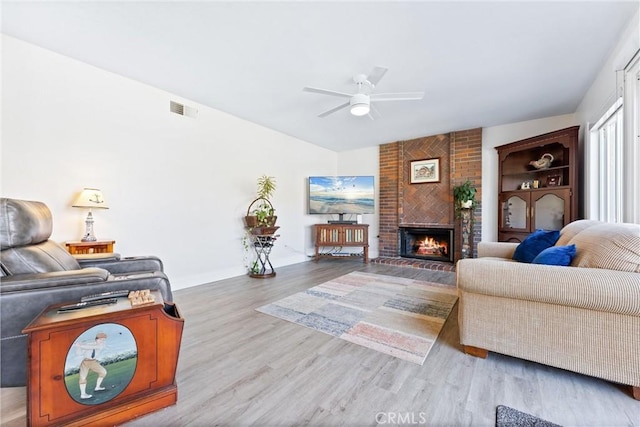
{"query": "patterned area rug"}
(393, 315)
(509, 417)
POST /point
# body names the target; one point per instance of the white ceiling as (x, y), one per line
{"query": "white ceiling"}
(479, 63)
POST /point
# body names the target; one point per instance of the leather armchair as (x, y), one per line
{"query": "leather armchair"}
(36, 272)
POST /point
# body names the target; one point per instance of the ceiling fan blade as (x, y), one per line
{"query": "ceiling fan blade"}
(376, 75)
(327, 92)
(400, 96)
(374, 112)
(334, 109)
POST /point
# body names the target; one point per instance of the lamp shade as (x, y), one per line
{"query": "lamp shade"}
(90, 198)
(359, 104)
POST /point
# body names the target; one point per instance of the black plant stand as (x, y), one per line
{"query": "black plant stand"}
(263, 244)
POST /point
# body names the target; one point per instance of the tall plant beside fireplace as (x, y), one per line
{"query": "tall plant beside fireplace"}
(464, 196)
(465, 201)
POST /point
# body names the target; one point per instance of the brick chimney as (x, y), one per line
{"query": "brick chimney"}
(428, 204)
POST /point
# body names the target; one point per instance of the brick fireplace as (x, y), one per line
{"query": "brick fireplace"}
(428, 205)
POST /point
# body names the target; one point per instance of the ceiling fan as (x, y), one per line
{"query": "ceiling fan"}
(361, 102)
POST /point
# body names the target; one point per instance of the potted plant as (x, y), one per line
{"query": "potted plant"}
(260, 229)
(464, 196)
(260, 213)
(252, 265)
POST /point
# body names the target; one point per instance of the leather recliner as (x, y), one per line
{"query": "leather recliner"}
(36, 272)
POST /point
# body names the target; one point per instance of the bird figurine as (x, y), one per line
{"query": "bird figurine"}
(543, 162)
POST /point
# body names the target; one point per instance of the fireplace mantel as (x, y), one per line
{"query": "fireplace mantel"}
(425, 225)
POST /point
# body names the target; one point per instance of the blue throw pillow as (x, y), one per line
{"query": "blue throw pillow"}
(535, 243)
(556, 255)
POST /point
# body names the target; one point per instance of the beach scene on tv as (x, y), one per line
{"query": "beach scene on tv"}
(341, 194)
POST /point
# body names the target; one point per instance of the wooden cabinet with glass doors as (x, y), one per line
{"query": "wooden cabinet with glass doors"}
(538, 179)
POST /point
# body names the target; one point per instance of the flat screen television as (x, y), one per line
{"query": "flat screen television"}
(341, 195)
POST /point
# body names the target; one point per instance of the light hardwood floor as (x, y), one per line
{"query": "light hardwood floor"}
(239, 367)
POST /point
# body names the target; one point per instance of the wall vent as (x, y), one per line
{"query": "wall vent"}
(183, 110)
(174, 107)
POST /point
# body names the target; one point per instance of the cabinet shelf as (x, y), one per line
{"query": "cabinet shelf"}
(522, 211)
(533, 190)
(533, 172)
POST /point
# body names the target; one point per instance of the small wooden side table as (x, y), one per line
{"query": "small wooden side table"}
(97, 247)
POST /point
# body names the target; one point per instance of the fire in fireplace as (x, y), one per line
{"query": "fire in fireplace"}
(426, 243)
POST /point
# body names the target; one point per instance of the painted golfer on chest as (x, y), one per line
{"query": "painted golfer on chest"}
(90, 351)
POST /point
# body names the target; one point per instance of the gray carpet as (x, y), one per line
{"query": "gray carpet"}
(509, 417)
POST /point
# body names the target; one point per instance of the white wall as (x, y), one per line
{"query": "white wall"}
(177, 187)
(603, 92)
(365, 161)
(499, 135)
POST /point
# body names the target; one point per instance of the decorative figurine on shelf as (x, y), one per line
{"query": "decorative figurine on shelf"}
(543, 162)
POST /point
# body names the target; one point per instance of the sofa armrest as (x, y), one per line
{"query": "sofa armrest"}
(588, 288)
(55, 279)
(124, 265)
(497, 249)
(143, 280)
(96, 280)
(89, 258)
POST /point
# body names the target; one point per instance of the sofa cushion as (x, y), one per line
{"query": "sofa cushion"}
(44, 257)
(23, 222)
(570, 230)
(609, 246)
(556, 255)
(535, 243)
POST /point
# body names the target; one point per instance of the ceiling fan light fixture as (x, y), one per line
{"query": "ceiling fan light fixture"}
(360, 109)
(359, 104)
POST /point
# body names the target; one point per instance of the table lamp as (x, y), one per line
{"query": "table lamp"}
(91, 198)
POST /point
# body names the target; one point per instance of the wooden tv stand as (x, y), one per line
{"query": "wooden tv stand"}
(341, 235)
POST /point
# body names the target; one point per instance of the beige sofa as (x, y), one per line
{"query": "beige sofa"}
(584, 318)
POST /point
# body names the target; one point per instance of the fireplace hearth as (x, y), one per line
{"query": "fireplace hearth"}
(426, 243)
